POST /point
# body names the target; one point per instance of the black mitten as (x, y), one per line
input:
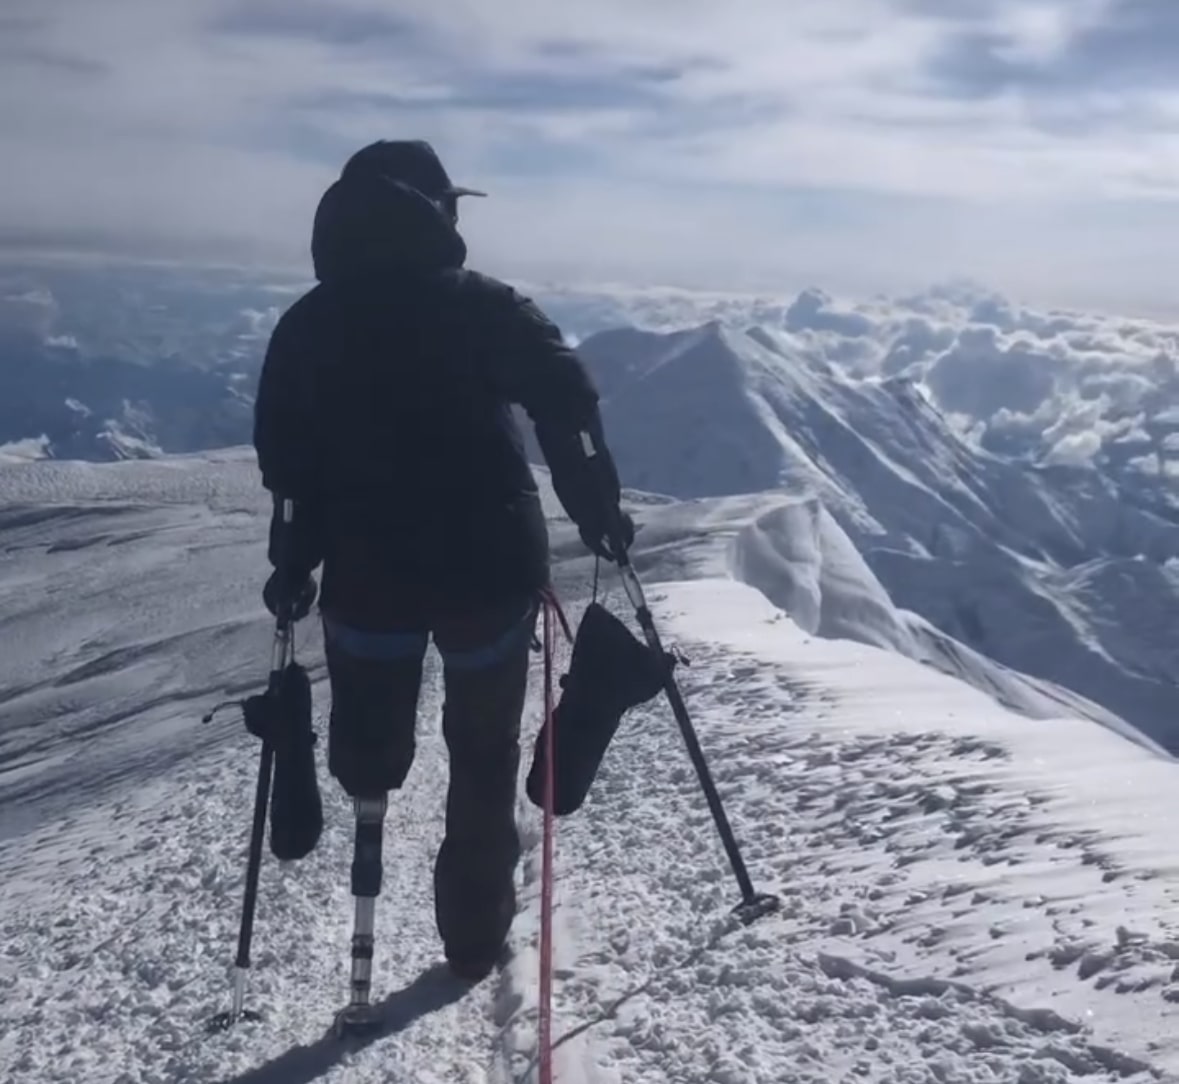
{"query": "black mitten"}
(611, 672)
(283, 717)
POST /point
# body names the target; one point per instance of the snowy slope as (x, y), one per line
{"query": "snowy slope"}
(1051, 572)
(970, 895)
(794, 552)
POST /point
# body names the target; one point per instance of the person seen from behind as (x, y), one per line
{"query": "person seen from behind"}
(385, 413)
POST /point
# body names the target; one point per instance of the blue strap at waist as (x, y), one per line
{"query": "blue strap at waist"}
(385, 646)
(402, 646)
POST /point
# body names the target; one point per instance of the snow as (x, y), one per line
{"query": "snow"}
(1055, 572)
(970, 894)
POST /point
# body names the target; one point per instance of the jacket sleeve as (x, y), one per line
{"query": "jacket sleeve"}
(538, 370)
(283, 432)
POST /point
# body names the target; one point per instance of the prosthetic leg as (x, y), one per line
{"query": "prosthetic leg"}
(361, 1016)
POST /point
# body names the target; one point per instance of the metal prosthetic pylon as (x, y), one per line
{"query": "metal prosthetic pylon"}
(361, 1016)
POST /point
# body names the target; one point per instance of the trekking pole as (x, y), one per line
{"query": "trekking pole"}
(753, 904)
(280, 655)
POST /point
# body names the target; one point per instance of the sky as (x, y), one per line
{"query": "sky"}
(858, 145)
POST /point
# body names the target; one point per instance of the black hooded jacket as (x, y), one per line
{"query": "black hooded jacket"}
(384, 412)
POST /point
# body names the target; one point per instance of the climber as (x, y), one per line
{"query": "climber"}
(384, 411)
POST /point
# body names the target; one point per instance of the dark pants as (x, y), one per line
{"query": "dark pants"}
(375, 682)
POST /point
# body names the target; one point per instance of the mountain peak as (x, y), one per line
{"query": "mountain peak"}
(967, 539)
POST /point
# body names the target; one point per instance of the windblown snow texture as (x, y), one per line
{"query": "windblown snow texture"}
(969, 895)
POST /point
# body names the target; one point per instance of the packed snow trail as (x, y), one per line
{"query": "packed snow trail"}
(897, 853)
(118, 952)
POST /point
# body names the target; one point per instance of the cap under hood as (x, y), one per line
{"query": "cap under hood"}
(367, 222)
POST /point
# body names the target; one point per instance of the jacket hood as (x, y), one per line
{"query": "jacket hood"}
(369, 223)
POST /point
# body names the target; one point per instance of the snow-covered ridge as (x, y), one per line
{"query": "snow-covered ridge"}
(1051, 572)
(800, 559)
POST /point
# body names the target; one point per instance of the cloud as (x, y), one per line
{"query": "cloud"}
(1074, 449)
(1083, 47)
(871, 144)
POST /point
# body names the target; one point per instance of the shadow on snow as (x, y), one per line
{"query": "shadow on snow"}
(432, 990)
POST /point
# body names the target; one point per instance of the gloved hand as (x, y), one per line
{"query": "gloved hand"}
(597, 540)
(301, 593)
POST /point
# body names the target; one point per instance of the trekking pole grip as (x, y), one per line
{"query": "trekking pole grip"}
(611, 509)
(282, 624)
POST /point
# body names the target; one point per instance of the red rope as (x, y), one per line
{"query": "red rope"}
(545, 1005)
(550, 596)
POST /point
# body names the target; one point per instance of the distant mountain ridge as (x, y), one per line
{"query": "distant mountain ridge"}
(1050, 571)
(1034, 538)
(128, 362)
(58, 404)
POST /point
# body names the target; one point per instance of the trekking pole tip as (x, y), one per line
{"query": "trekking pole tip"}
(225, 1020)
(757, 906)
